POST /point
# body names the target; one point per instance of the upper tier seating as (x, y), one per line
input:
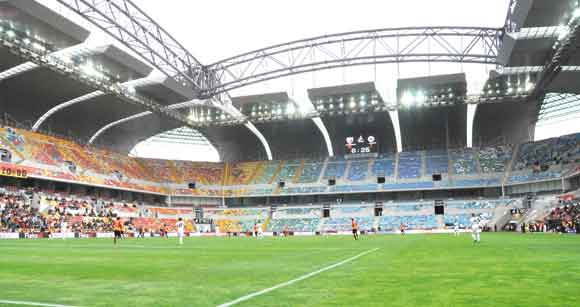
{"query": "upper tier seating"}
(463, 161)
(562, 150)
(334, 170)
(288, 171)
(437, 162)
(384, 168)
(494, 159)
(311, 172)
(358, 170)
(410, 165)
(266, 172)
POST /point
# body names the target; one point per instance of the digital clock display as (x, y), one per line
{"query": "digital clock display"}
(360, 145)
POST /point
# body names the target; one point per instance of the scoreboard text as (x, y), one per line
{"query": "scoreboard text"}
(9, 171)
(361, 145)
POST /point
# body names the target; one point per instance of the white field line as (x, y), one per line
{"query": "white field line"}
(290, 282)
(32, 304)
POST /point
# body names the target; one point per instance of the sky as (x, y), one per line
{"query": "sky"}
(216, 29)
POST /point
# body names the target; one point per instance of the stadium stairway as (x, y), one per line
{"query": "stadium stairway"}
(440, 219)
(347, 170)
(298, 173)
(541, 208)
(502, 215)
(477, 162)
(396, 170)
(323, 170)
(276, 172)
(424, 164)
(508, 167)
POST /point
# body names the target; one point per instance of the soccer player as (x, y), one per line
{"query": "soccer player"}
(475, 227)
(402, 228)
(63, 228)
(260, 230)
(456, 227)
(117, 229)
(180, 230)
(354, 227)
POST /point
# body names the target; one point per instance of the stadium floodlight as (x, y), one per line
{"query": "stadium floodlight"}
(331, 106)
(341, 105)
(407, 99)
(529, 86)
(420, 97)
(362, 103)
(352, 104)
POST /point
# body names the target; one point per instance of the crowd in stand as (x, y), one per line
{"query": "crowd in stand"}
(566, 218)
(16, 214)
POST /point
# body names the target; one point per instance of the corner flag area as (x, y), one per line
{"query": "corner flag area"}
(388, 270)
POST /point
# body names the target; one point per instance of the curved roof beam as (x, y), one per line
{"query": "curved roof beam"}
(180, 105)
(130, 84)
(378, 46)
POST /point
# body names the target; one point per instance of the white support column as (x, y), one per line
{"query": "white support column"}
(396, 125)
(471, 109)
(227, 107)
(261, 137)
(320, 124)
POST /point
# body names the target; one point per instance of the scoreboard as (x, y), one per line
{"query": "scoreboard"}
(361, 144)
(9, 171)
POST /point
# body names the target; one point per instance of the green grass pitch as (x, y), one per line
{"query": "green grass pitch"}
(415, 270)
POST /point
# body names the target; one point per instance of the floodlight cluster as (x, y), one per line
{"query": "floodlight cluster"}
(348, 104)
(271, 110)
(431, 97)
(512, 85)
(27, 47)
(11, 32)
(204, 115)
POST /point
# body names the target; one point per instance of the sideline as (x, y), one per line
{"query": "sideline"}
(32, 304)
(290, 282)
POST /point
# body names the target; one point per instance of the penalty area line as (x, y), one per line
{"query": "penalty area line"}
(8, 302)
(290, 282)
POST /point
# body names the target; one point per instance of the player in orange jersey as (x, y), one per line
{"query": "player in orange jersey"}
(402, 228)
(354, 226)
(118, 229)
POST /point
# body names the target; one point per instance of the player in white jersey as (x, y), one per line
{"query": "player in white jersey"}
(475, 227)
(260, 234)
(63, 228)
(180, 230)
(456, 227)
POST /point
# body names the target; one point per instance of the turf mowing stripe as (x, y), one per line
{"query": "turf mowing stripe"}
(290, 282)
(32, 304)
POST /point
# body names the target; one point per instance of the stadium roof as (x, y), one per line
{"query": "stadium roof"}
(66, 104)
